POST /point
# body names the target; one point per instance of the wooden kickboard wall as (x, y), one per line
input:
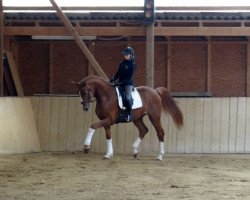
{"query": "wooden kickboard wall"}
(18, 133)
(212, 125)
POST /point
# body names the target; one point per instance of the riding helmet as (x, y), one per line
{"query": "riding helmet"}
(128, 50)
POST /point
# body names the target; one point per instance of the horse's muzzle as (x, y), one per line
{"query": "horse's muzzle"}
(86, 107)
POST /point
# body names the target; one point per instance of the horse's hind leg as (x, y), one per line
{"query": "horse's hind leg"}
(142, 132)
(160, 133)
(109, 143)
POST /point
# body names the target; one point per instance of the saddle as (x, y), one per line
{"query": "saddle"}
(121, 95)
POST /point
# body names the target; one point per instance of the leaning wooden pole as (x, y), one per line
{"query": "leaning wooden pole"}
(80, 43)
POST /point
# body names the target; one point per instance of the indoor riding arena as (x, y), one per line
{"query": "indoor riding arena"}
(200, 54)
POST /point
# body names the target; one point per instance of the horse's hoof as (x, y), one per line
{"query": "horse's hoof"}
(107, 157)
(159, 158)
(135, 155)
(86, 149)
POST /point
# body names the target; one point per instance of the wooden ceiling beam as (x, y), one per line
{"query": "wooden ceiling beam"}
(131, 31)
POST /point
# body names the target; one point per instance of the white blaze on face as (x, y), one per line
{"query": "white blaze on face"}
(80, 96)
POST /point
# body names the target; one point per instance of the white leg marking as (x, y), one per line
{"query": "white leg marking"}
(89, 136)
(161, 151)
(109, 149)
(136, 145)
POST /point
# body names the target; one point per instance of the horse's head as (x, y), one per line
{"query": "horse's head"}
(86, 94)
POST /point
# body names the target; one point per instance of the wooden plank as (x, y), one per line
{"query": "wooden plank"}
(198, 124)
(114, 133)
(62, 31)
(79, 130)
(190, 118)
(215, 139)
(88, 119)
(129, 138)
(145, 145)
(40, 120)
(12, 130)
(46, 124)
(95, 144)
(232, 124)
(14, 72)
(101, 142)
(62, 126)
(18, 135)
(130, 31)
(154, 141)
(181, 134)
(6, 135)
(120, 140)
(172, 137)
(247, 136)
(207, 126)
(241, 125)
(71, 124)
(54, 124)
(202, 31)
(150, 55)
(224, 125)
(35, 107)
(27, 130)
(79, 41)
(191, 94)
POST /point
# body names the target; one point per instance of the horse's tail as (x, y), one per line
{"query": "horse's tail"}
(170, 105)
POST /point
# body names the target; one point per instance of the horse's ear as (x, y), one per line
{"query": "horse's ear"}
(75, 83)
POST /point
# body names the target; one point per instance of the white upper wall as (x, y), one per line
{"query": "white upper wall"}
(128, 3)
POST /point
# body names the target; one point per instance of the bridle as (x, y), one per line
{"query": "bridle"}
(89, 95)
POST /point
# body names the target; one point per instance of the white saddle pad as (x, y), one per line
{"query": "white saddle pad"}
(137, 103)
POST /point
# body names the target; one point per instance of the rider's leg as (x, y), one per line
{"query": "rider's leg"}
(128, 90)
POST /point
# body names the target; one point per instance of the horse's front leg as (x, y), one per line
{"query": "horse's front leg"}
(103, 123)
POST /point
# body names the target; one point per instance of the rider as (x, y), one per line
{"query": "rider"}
(124, 77)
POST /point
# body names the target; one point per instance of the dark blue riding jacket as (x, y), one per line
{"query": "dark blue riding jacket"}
(125, 72)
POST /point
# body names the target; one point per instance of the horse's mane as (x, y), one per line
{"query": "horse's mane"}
(91, 78)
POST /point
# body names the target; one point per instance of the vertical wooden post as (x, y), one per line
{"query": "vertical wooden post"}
(169, 63)
(248, 68)
(51, 68)
(208, 64)
(92, 50)
(80, 43)
(150, 55)
(1, 47)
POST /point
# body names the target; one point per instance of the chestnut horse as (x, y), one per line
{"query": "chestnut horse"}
(94, 88)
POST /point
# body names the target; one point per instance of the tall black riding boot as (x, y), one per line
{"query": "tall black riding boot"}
(129, 110)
